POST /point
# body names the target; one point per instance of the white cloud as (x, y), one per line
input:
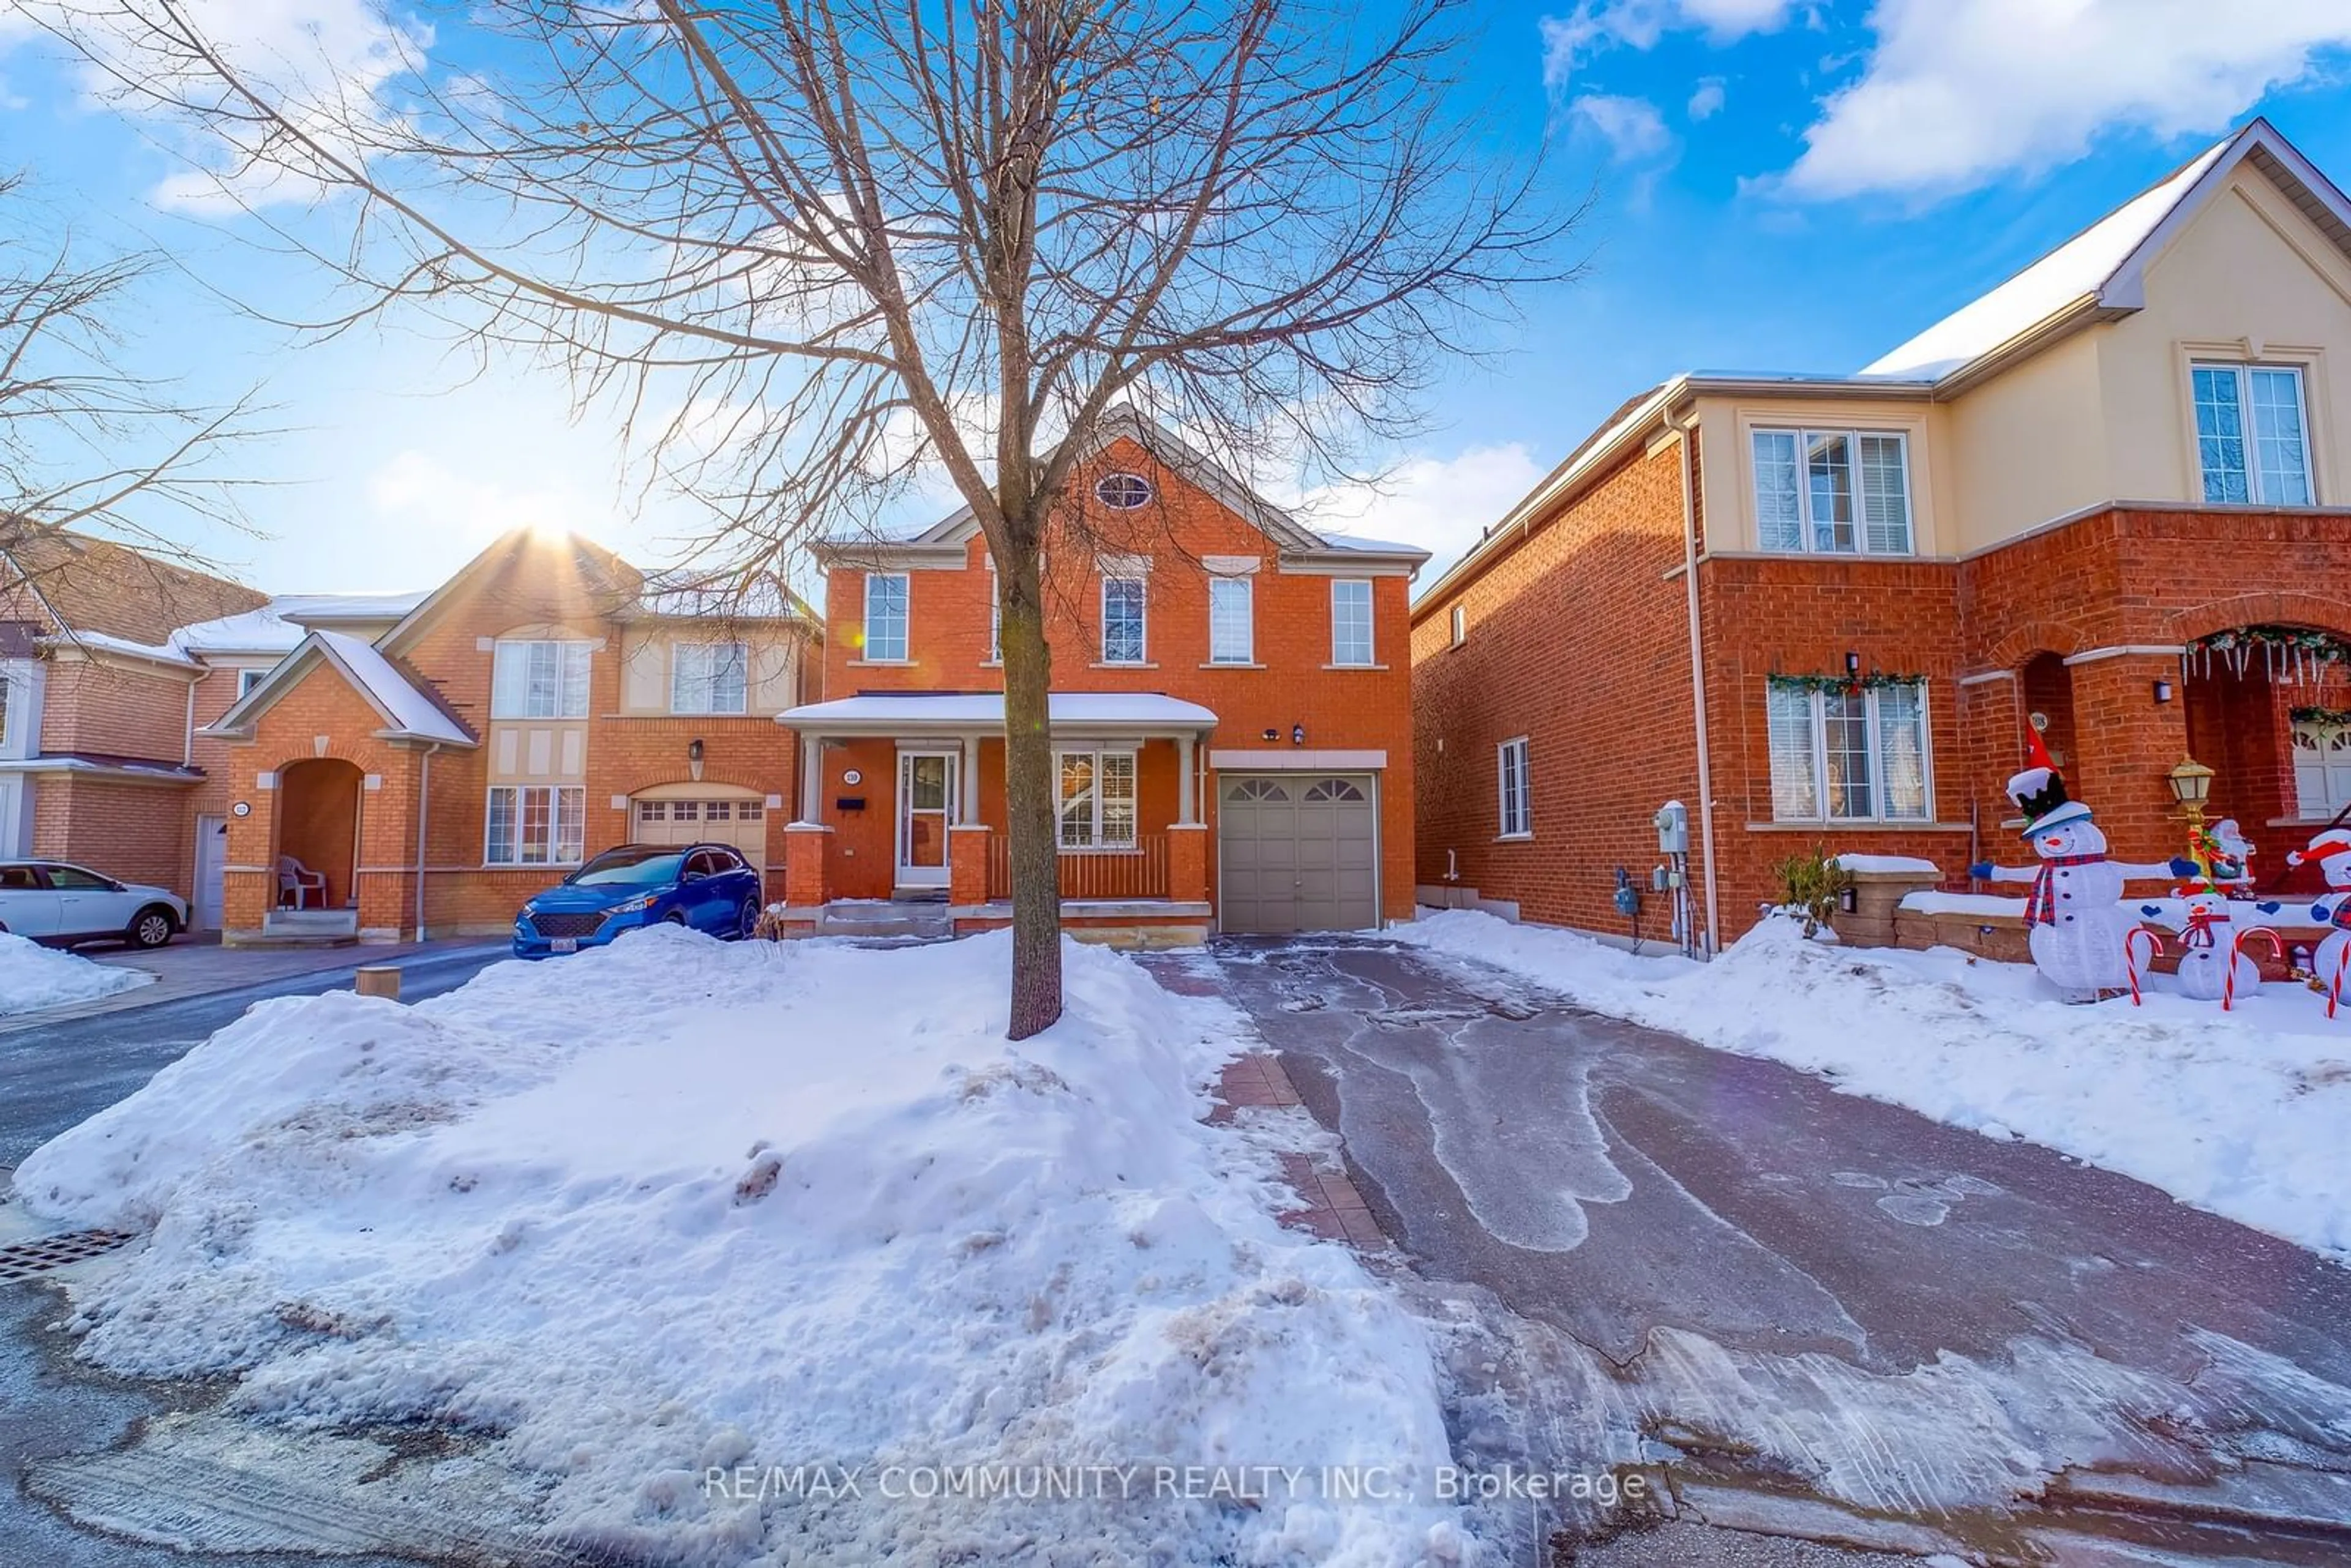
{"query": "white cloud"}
(1597, 25)
(1632, 127)
(432, 505)
(1706, 101)
(1441, 504)
(1958, 92)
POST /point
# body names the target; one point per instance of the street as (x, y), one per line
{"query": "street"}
(52, 1077)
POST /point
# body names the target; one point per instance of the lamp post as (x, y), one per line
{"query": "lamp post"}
(2192, 786)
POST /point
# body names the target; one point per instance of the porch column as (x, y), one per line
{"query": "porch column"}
(1187, 796)
(967, 775)
(811, 778)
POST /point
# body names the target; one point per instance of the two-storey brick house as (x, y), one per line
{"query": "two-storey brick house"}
(1230, 715)
(2111, 498)
(547, 702)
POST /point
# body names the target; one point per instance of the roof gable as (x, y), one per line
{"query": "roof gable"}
(409, 710)
(613, 582)
(2100, 273)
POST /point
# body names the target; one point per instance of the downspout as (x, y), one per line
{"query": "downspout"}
(424, 825)
(1684, 428)
(188, 734)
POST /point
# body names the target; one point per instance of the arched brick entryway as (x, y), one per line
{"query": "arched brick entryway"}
(317, 823)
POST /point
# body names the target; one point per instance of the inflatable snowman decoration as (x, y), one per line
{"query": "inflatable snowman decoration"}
(2332, 851)
(2208, 946)
(2074, 920)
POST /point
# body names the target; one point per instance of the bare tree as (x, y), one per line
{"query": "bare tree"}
(86, 441)
(848, 243)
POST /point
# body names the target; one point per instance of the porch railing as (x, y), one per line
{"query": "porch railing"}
(1137, 873)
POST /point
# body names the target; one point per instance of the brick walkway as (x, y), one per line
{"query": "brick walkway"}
(1329, 1204)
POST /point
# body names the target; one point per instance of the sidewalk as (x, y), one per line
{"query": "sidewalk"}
(198, 967)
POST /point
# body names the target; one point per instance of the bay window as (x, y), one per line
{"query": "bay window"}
(1844, 756)
(535, 824)
(1096, 800)
(2252, 436)
(1838, 492)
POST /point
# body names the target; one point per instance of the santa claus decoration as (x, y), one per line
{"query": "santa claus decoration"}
(2331, 852)
(2075, 923)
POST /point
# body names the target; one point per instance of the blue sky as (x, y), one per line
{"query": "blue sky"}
(1779, 186)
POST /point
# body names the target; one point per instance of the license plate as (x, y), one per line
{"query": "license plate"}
(563, 944)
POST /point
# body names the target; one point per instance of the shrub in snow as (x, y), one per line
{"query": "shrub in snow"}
(33, 977)
(1815, 883)
(677, 1205)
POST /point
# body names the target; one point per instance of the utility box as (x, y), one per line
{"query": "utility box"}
(1673, 829)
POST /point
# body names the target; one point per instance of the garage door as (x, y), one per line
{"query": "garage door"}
(1301, 852)
(740, 823)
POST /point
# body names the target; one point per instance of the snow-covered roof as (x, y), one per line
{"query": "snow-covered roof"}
(104, 643)
(261, 631)
(2103, 268)
(409, 713)
(315, 607)
(1359, 544)
(980, 710)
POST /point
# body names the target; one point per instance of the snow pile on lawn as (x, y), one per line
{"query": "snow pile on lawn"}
(2240, 1112)
(33, 977)
(678, 1206)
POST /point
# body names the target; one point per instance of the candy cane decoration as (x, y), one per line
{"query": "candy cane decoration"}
(2334, 992)
(2277, 951)
(2130, 961)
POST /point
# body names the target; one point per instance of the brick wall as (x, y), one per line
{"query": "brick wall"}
(115, 706)
(1339, 709)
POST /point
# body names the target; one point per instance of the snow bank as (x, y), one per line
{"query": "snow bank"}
(676, 1206)
(32, 977)
(1910, 863)
(2240, 1112)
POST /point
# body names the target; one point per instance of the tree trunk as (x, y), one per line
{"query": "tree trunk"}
(1029, 793)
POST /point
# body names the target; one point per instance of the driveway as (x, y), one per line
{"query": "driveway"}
(1810, 1314)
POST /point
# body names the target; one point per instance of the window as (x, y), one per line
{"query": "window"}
(1460, 624)
(540, 680)
(995, 617)
(1836, 491)
(248, 679)
(886, 616)
(1232, 621)
(1122, 638)
(1097, 800)
(535, 824)
(1517, 812)
(1848, 756)
(2322, 766)
(2252, 440)
(73, 879)
(1123, 492)
(1331, 789)
(1350, 622)
(709, 677)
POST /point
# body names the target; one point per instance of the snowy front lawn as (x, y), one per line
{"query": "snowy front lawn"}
(2243, 1113)
(33, 977)
(678, 1208)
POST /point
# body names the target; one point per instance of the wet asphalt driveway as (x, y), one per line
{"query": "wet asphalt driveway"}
(1812, 1313)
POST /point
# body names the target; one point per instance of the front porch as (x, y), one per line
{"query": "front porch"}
(901, 812)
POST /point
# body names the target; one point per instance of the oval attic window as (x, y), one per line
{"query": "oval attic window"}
(1123, 492)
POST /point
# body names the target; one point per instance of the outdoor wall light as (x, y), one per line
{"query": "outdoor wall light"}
(1272, 734)
(693, 758)
(2163, 691)
(1297, 735)
(1851, 662)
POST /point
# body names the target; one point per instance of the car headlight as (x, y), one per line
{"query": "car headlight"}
(637, 905)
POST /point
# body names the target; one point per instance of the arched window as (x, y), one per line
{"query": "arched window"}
(1333, 790)
(1255, 790)
(1123, 492)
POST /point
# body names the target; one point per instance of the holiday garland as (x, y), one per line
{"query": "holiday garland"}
(2291, 651)
(2335, 715)
(1849, 685)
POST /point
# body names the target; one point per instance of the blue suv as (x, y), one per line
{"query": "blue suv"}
(706, 886)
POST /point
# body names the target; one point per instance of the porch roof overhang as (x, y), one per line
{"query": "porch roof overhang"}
(965, 712)
(100, 765)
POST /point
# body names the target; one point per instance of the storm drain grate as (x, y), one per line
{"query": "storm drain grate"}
(47, 1254)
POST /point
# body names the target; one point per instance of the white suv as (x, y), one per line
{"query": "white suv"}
(60, 904)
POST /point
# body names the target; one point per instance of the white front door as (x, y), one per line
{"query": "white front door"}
(211, 872)
(927, 793)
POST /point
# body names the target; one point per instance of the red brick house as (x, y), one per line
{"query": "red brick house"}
(1231, 716)
(2111, 498)
(436, 768)
(99, 763)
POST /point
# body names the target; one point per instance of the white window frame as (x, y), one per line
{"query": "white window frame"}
(1514, 818)
(512, 677)
(564, 844)
(1247, 589)
(684, 698)
(1876, 732)
(1458, 625)
(1339, 658)
(2257, 486)
(248, 679)
(1808, 528)
(1142, 614)
(905, 619)
(2321, 731)
(1092, 839)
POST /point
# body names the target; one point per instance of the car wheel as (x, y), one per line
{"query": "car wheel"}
(152, 927)
(747, 920)
(674, 917)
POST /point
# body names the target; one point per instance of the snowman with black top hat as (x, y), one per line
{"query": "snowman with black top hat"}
(2075, 923)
